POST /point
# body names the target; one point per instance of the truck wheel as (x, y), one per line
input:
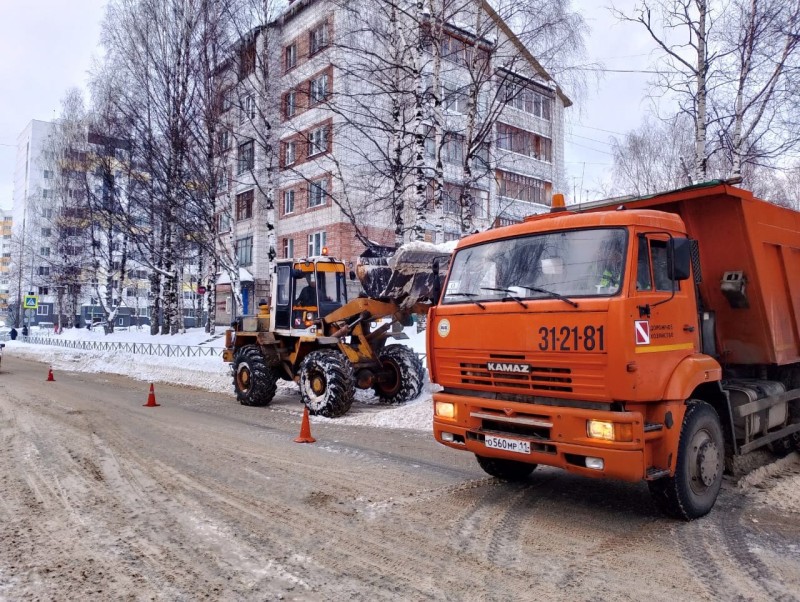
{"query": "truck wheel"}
(327, 383)
(691, 493)
(508, 470)
(406, 375)
(255, 383)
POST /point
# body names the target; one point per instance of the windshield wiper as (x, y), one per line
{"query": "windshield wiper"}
(470, 295)
(510, 297)
(536, 289)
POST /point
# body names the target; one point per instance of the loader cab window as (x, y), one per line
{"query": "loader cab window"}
(653, 266)
(283, 295)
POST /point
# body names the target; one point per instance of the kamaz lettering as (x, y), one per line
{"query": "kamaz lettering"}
(518, 368)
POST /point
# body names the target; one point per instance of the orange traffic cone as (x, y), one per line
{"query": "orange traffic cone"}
(305, 430)
(151, 399)
(50, 376)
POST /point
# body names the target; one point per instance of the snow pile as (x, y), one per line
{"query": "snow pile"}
(776, 485)
(211, 373)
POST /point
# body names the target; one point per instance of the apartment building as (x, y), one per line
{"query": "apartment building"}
(52, 256)
(6, 225)
(330, 180)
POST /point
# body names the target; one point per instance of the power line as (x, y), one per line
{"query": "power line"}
(604, 70)
(589, 127)
(587, 138)
(597, 150)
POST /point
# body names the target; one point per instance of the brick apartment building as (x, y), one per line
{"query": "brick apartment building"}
(324, 176)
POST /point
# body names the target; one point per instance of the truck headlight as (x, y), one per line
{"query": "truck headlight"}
(609, 431)
(445, 409)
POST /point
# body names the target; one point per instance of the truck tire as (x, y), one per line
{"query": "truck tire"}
(255, 383)
(508, 470)
(327, 383)
(407, 375)
(692, 491)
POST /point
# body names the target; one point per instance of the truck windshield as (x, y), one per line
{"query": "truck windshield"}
(574, 263)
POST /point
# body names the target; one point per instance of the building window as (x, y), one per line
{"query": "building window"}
(44, 251)
(288, 202)
(317, 192)
(454, 98)
(43, 310)
(248, 109)
(246, 157)
(319, 89)
(223, 141)
(318, 141)
(289, 153)
(223, 222)
(525, 99)
(43, 290)
(479, 200)
(290, 104)
(244, 251)
(317, 38)
(291, 56)
(247, 60)
(222, 185)
(316, 242)
(522, 188)
(48, 174)
(44, 270)
(244, 205)
(46, 232)
(288, 248)
(453, 149)
(524, 143)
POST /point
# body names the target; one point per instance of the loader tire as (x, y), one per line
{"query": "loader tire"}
(692, 491)
(254, 381)
(327, 383)
(507, 470)
(406, 375)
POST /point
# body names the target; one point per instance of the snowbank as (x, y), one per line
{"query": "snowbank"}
(210, 373)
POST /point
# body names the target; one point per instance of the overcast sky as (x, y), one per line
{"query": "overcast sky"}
(47, 46)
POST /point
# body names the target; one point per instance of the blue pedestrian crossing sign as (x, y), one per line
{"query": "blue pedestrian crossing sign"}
(31, 302)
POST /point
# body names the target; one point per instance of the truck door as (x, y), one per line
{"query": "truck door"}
(664, 328)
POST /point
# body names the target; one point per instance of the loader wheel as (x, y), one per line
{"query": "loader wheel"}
(508, 470)
(327, 383)
(406, 375)
(255, 383)
(691, 493)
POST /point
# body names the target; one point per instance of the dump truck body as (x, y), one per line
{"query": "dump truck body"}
(546, 357)
(754, 246)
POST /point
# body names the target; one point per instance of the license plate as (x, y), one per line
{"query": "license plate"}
(511, 445)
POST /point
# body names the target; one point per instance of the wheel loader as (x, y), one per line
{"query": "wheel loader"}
(310, 333)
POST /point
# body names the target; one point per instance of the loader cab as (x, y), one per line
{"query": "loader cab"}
(305, 291)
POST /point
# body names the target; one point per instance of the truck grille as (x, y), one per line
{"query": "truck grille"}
(538, 379)
(548, 374)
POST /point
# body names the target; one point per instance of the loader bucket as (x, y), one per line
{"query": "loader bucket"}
(407, 275)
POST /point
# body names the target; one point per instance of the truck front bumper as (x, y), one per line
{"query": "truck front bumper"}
(544, 434)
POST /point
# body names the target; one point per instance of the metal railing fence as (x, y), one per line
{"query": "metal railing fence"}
(157, 349)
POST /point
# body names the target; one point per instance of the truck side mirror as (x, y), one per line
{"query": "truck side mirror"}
(679, 258)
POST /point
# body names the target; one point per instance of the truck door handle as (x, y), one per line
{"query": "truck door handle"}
(688, 328)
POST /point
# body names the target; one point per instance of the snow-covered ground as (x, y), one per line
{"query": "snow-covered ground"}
(209, 373)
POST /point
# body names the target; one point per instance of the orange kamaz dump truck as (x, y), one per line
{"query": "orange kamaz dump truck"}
(641, 339)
